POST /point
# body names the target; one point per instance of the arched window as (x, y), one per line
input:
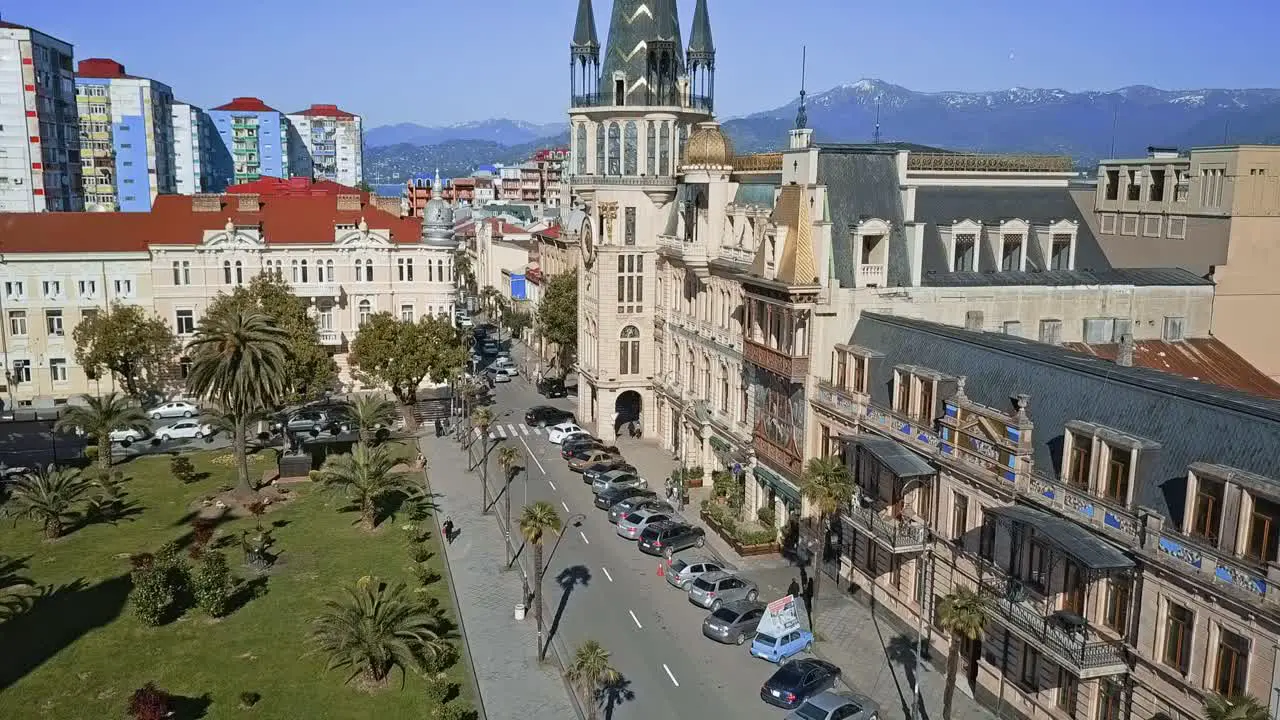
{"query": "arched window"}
(448, 272)
(364, 270)
(365, 310)
(684, 136)
(651, 148)
(239, 273)
(226, 272)
(431, 272)
(724, 389)
(294, 274)
(629, 154)
(706, 377)
(664, 149)
(629, 351)
(581, 147)
(440, 270)
(599, 130)
(615, 149)
(328, 271)
(304, 271)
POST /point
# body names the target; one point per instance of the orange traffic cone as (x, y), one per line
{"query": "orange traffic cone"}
(661, 572)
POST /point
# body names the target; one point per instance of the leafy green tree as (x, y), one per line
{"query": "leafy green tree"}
(365, 476)
(535, 522)
(829, 489)
(238, 363)
(375, 629)
(558, 317)
(98, 417)
(963, 616)
(1239, 707)
(137, 348)
(309, 370)
(516, 320)
(49, 497)
(590, 673)
(391, 352)
(371, 412)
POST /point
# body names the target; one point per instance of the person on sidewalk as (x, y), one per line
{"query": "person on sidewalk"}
(447, 527)
(794, 588)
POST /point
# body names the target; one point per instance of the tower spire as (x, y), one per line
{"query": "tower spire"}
(700, 36)
(701, 59)
(802, 116)
(584, 30)
(875, 137)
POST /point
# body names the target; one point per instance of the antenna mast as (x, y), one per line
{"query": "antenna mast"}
(802, 117)
(875, 138)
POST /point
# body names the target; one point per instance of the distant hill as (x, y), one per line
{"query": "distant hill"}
(1085, 125)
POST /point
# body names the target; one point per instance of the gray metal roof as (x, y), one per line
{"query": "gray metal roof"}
(700, 41)
(584, 30)
(632, 23)
(1141, 277)
(1071, 538)
(862, 184)
(900, 460)
(755, 193)
(1192, 421)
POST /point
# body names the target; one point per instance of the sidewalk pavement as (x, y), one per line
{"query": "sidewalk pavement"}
(513, 684)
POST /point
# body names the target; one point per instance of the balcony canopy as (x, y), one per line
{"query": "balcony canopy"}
(900, 460)
(1072, 539)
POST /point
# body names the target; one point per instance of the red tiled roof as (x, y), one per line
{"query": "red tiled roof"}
(246, 104)
(326, 111)
(502, 227)
(282, 219)
(274, 186)
(100, 68)
(552, 232)
(1208, 360)
(12, 26)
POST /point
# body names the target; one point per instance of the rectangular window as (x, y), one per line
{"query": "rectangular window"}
(1174, 328)
(1232, 669)
(902, 393)
(1011, 253)
(1013, 327)
(181, 272)
(963, 253)
(1107, 223)
(630, 283)
(925, 411)
(88, 288)
(18, 323)
(1129, 225)
(1110, 701)
(15, 290)
(1051, 332)
(629, 226)
(840, 369)
(859, 374)
(1037, 566)
(124, 288)
(52, 289)
(959, 517)
(184, 321)
(405, 269)
(1176, 228)
(1060, 252)
(1099, 330)
(1081, 460)
(21, 371)
(53, 322)
(1178, 627)
(406, 313)
(1030, 668)
(973, 320)
(1068, 686)
(58, 370)
(1117, 487)
(1119, 592)
(1151, 225)
(1206, 509)
(1264, 524)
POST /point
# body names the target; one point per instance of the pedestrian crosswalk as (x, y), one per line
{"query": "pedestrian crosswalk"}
(510, 431)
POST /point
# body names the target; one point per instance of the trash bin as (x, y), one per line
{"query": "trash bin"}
(520, 611)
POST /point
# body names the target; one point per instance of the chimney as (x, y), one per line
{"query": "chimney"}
(348, 202)
(206, 202)
(1124, 354)
(388, 204)
(248, 203)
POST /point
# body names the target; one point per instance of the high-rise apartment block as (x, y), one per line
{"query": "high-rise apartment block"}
(201, 163)
(126, 129)
(39, 144)
(326, 143)
(256, 136)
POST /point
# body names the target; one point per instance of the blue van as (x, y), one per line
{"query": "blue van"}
(775, 649)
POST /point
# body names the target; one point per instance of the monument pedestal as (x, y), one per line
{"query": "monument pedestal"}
(295, 466)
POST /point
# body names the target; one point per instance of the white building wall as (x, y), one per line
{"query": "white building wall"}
(186, 149)
(350, 157)
(36, 76)
(16, 178)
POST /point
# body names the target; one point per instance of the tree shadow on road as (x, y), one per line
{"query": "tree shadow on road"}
(614, 694)
(902, 650)
(568, 579)
(893, 652)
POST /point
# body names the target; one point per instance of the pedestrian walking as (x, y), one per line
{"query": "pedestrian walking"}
(447, 527)
(794, 588)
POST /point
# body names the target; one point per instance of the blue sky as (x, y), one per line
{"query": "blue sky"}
(444, 61)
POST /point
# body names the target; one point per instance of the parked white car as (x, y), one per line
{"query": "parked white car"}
(557, 433)
(184, 429)
(128, 436)
(177, 408)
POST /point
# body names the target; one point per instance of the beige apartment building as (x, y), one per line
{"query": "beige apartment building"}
(1214, 211)
(349, 258)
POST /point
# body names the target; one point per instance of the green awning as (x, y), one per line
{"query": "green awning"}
(719, 444)
(780, 485)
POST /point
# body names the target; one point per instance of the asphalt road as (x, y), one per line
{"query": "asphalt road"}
(611, 593)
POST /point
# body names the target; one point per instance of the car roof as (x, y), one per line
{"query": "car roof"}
(829, 700)
(715, 576)
(646, 512)
(743, 606)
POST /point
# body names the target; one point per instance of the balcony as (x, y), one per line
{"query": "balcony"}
(317, 289)
(839, 399)
(690, 102)
(895, 535)
(1060, 635)
(693, 254)
(330, 337)
(871, 275)
(793, 368)
(641, 181)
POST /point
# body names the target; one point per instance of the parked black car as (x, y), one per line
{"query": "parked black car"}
(546, 416)
(798, 680)
(668, 538)
(609, 498)
(552, 388)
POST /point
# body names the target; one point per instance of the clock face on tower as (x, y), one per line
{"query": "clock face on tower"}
(587, 244)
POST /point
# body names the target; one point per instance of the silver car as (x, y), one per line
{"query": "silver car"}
(632, 525)
(734, 622)
(618, 480)
(831, 705)
(631, 504)
(681, 572)
(714, 589)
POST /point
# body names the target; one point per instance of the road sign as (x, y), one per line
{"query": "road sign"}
(737, 468)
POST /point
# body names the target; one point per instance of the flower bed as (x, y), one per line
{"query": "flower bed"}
(745, 540)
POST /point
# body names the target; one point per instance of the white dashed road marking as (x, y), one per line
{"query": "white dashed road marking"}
(584, 537)
(524, 429)
(564, 505)
(606, 573)
(636, 620)
(673, 677)
(553, 485)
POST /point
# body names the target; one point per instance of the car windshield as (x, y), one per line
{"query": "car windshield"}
(789, 675)
(766, 639)
(809, 711)
(678, 566)
(726, 615)
(635, 518)
(702, 584)
(650, 533)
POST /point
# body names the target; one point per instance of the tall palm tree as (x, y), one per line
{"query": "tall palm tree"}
(365, 476)
(374, 629)
(49, 497)
(13, 586)
(482, 418)
(507, 459)
(238, 364)
(98, 417)
(590, 672)
(535, 521)
(829, 489)
(1238, 707)
(371, 413)
(963, 616)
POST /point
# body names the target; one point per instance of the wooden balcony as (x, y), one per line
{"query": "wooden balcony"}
(793, 368)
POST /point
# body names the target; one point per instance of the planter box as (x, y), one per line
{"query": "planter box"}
(738, 547)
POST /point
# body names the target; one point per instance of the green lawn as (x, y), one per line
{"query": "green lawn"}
(80, 652)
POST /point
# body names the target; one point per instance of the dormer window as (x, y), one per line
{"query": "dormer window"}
(1119, 466)
(914, 395)
(1264, 530)
(1080, 460)
(1060, 252)
(1010, 252)
(1206, 509)
(963, 252)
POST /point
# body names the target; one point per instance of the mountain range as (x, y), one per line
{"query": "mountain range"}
(1086, 125)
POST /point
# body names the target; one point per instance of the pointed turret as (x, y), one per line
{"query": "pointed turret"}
(702, 60)
(700, 42)
(643, 59)
(584, 59)
(584, 31)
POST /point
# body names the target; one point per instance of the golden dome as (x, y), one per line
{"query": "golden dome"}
(708, 146)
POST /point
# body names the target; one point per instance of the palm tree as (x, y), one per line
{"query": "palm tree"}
(48, 497)
(366, 476)
(371, 413)
(1237, 707)
(238, 363)
(507, 459)
(98, 417)
(535, 521)
(375, 629)
(829, 489)
(590, 672)
(963, 616)
(482, 418)
(13, 586)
